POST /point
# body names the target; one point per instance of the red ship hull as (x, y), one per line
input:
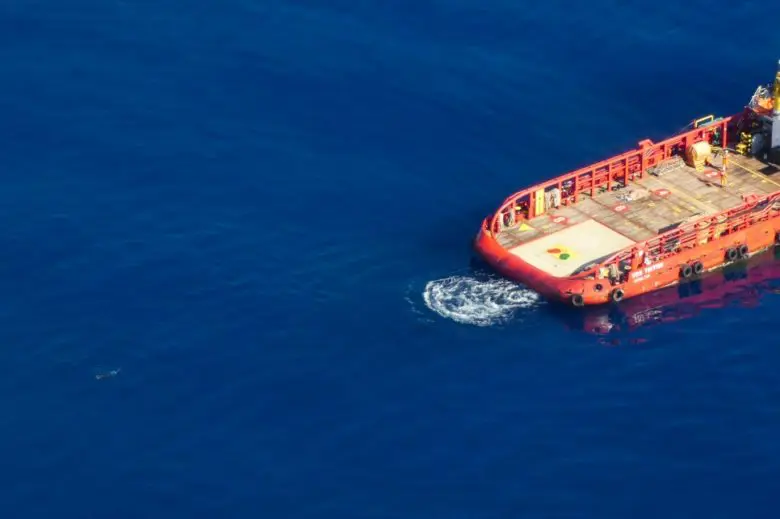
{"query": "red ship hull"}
(743, 285)
(646, 219)
(666, 273)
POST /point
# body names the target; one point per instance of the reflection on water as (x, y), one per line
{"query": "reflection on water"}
(742, 284)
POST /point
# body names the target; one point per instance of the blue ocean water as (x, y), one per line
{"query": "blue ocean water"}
(254, 218)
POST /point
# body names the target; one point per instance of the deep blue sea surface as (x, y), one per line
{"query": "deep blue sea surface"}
(237, 278)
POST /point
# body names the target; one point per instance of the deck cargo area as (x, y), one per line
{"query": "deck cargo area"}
(561, 241)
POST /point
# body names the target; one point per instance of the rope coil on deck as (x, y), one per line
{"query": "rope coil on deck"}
(508, 219)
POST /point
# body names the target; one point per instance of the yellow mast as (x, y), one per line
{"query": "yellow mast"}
(774, 147)
(776, 95)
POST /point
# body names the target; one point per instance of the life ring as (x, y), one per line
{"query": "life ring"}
(698, 268)
(617, 295)
(686, 271)
(743, 251)
(577, 300)
(732, 254)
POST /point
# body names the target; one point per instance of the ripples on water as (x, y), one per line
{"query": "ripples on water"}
(482, 299)
(480, 302)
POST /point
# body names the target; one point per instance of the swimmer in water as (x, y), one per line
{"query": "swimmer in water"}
(108, 374)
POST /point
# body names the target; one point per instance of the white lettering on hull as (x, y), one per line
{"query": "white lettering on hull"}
(643, 274)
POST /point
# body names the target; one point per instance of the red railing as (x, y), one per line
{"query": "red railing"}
(624, 169)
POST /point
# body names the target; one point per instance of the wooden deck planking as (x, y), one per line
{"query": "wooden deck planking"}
(540, 226)
(649, 210)
(686, 192)
(614, 220)
(691, 194)
(749, 176)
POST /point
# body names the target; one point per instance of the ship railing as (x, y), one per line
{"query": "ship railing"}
(693, 234)
(606, 175)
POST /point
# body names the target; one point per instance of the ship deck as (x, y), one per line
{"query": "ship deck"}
(568, 238)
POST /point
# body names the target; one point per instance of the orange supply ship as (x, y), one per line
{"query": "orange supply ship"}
(661, 214)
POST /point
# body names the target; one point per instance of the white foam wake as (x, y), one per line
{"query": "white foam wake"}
(477, 302)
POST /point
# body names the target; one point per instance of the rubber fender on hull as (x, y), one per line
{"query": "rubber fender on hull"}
(686, 271)
(577, 300)
(732, 254)
(698, 268)
(743, 251)
(617, 295)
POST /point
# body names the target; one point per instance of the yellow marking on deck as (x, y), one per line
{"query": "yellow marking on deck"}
(525, 227)
(757, 174)
(696, 203)
(676, 208)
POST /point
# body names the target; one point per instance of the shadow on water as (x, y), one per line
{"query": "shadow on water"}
(741, 284)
